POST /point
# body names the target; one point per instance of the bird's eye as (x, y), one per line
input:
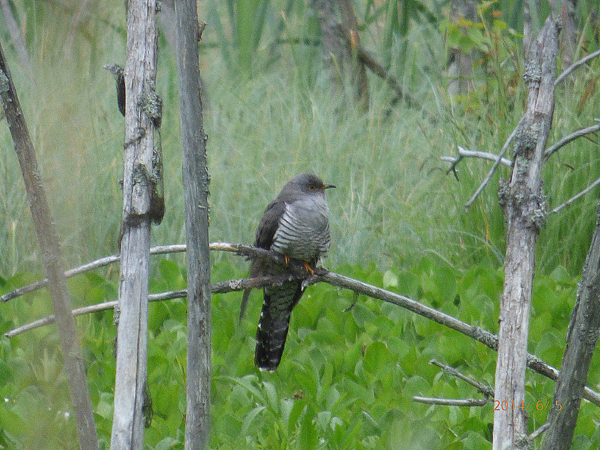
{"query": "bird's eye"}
(311, 187)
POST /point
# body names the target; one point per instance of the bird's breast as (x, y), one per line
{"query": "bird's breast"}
(303, 231)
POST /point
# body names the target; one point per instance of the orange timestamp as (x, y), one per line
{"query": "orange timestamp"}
(505, 405)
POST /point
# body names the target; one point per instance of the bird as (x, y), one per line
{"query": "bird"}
(295, 225)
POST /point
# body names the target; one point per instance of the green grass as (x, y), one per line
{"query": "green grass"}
(346, 380)
(394, 201)
(395, 214)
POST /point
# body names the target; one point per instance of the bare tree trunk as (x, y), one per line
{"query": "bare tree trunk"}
(42, 219)
(358, 70)
(581, 343)
(526, 28)
(460, 70)
(196, 190)
(568, 44)
(524, 207)
(340, 41)
(138, 185)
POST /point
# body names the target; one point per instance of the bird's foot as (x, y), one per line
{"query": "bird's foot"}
(308, 268)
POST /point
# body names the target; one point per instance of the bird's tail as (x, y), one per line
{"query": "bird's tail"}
(244, 304)
(274, 323)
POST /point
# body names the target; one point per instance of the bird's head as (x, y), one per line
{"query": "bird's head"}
(307, 183)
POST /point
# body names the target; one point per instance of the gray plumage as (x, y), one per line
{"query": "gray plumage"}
(296, 225)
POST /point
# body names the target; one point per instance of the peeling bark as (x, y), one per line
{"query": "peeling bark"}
(523, 202)
(581, 343)
(130, 405)
(195, 191)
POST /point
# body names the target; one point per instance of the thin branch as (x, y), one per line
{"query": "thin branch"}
(498, 159)
(51, 319)
(358, 287)
(571, 137)
(243, 250)
(371, 63)
(494, 167)
(454, 162)
(107, 260)
(464, 153)
(576, 65)
(482, 388)
(350, 27)
(381, 72)
(452, 402)
(533, 436)
(572, 199)
(216, 288)
(477, 333)
(483, 155)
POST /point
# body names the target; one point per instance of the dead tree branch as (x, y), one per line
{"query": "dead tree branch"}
(582, 337)
(536, 433)
(452, 402)
(523, 203)
(52, 257)
(576, 65)
(350, 25)
(102, 262)
(464, 153)
(481, 388)
(195, 193)
(369, 61)
(483, 155)
(297, 271)
(240, 249)
(498, 159)
(575, 197)
(571, 137)
(216, 288)
(142, 118)
(494, 167)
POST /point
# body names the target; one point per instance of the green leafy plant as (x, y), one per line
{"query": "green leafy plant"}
(350, 369)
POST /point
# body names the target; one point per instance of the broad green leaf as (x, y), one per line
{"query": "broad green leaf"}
(249, 418)
(377, 355)
(247, 383)
(362, 314)
(390, 280)
(272, 397)
(308, 437)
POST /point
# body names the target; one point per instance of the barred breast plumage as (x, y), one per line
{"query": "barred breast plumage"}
(303, 231)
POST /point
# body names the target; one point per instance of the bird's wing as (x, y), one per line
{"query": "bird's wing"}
(264, 238)
(268, 224)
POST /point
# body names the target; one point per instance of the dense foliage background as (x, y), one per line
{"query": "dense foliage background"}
(397, 220)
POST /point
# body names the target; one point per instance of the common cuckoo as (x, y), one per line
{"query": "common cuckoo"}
(296, 225)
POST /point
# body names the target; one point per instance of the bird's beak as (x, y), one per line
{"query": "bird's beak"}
(328, 186)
